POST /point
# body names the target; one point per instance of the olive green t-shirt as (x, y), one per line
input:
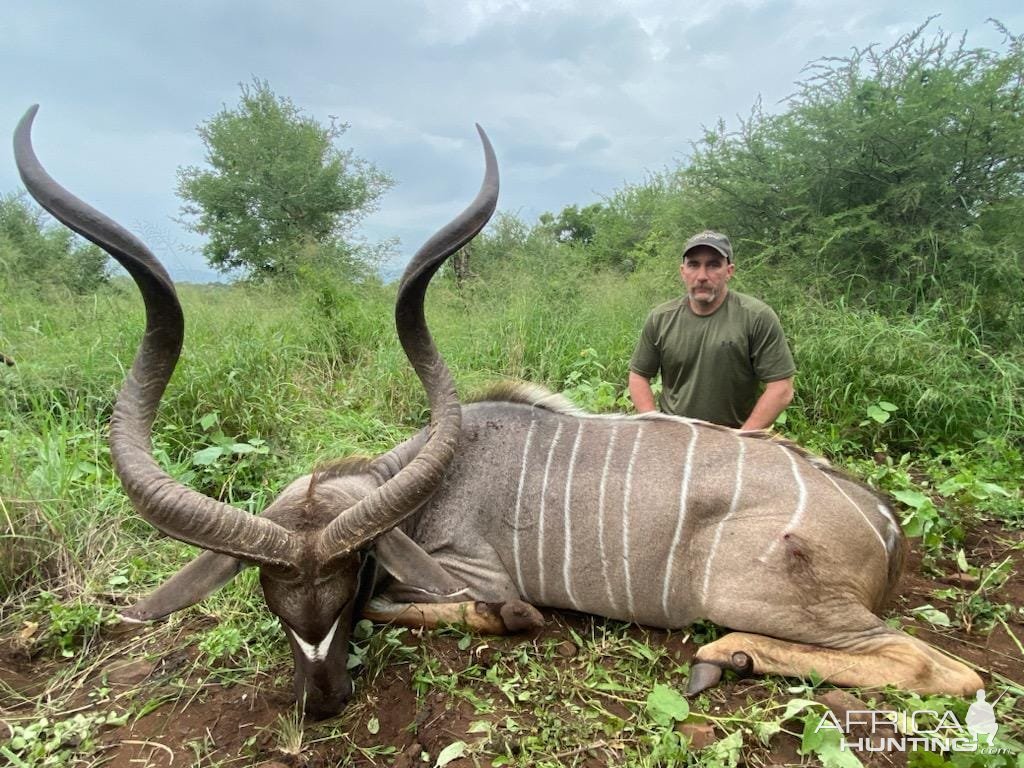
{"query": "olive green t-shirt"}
(711, 366)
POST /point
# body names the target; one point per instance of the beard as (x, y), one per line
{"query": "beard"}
(707, 295)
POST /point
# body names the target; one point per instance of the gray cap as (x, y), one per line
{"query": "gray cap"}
(712, 239)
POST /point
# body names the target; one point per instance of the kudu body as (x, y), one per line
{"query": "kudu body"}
(520, 500)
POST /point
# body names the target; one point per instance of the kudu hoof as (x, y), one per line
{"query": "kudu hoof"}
(742, 664)
(703, 675)
(520, 617)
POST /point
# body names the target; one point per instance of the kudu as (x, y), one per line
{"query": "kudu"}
(522, 499)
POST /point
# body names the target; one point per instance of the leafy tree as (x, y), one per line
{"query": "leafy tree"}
(278, 194)
(894, 174)
(573, 224)
(35, 251)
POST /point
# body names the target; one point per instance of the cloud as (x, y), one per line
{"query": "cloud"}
(578, 97)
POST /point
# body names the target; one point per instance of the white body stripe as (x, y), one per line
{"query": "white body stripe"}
(567, 518)
(519, 505)
(542, 591)
(885, 549)
(600, 516)
(684, 489)
(625, 520)
(319, 651)
(801, 503)
(721, 525)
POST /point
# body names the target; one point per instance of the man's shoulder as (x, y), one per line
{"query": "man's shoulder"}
(749, 304)
(670, 307)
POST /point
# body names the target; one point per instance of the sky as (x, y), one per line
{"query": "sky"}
(578, 98)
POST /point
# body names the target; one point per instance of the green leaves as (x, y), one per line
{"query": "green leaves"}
(452, 752)
(227, 458)
(932, 615)
(278, 193)
(881, 411)
(924, 519)
(665, 705)
(825, 744)
(38, 253)
(891, 177)
(70, 625)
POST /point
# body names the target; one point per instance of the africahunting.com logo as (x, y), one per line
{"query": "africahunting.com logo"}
(890, 730)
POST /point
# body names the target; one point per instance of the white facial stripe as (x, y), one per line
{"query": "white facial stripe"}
(316, 652)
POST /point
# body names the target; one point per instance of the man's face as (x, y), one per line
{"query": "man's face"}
(706, 273)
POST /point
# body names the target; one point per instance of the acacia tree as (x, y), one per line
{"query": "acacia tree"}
(278, 193)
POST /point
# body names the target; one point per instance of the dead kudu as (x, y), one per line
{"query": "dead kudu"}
(519, 500)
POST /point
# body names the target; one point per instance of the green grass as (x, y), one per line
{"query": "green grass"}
(301, 377)
(305, 376)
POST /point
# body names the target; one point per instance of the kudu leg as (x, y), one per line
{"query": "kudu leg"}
(886, 657)
(505, 618)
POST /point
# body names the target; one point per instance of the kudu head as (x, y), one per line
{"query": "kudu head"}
(308, 542)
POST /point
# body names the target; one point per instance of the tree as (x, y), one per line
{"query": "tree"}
(278, 192)
(575, 225)
(892, 175)
(34, 251)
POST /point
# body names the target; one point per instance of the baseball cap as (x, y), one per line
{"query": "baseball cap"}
(712, 239)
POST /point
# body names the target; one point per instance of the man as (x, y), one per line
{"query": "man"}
(713, 347)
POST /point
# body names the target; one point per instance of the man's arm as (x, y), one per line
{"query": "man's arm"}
(640, 392)
(773, 401)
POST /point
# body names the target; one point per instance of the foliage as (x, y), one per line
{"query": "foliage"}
(573, 224)
(891, 176)
(587, 385)
(44, 742)
(628, 229)
(34, 252)
(890, 180)
(278, 193)
(70, 626)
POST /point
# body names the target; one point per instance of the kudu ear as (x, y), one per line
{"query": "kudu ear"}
(193, 583)
(406, 561)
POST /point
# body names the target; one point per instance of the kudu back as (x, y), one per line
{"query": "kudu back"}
(522, 499)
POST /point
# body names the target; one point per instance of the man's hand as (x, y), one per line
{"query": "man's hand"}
(640, 393)
(773, 401)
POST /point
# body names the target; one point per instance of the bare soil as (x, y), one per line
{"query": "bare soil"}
(247, 723)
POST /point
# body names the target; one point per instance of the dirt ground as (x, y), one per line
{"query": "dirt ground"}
(247, 723)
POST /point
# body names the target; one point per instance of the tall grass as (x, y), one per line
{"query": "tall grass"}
(303, 376)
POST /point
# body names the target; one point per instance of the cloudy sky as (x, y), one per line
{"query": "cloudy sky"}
(578, 97)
